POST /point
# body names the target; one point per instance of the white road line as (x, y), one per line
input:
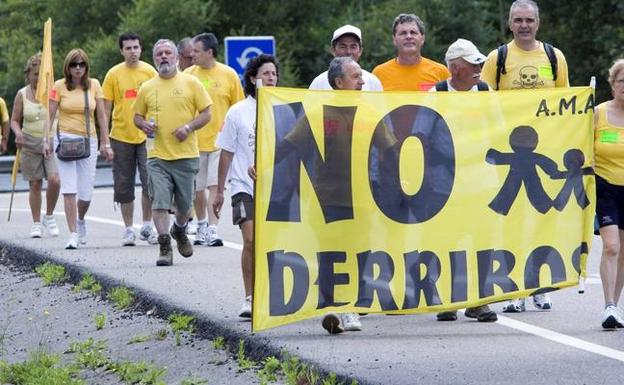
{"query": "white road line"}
(560, 338)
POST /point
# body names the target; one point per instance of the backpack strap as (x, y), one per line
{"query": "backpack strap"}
(482, 86)
(441, 86)
(552, 57)
(500, 63)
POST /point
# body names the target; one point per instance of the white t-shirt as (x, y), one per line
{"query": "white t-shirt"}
(371, 83)
(238, 135)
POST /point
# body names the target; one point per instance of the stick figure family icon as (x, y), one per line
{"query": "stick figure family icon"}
(523, 163)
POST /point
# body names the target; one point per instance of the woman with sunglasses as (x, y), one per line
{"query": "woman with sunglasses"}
(77, 176)
(27, 123)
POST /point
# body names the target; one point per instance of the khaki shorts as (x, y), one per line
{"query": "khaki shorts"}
(172, 181)
(32, 163)
(128, 157)
(208, 170)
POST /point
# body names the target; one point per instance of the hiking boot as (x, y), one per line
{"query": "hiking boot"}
(128, 238)
(611, 318)
(447, 316)
(165, 258)
(351, 322)
(82, 231)
(185, 248)
(331, 323)
(148, 234)
(481, 313)
(245, 311)
(72, 243)
(542, 301)
(49, 223)
(515, 306)
(36, 231)
(201, 235)
(213, 239)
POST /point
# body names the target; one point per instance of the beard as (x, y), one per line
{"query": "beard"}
(166, 68)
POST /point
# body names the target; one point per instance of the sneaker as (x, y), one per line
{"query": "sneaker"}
(213, 239)
(129, 238)
(447, 316)
(612, 318)
(191, 228)
(351, 322)
(515, 306)
(72, 243)
(481, 313)
(165, 257)
(36, 231)
(49, 223)
(331, 323)
(201, 235)
(185, 248)
(82, 231)
(148, 234)
(542, 301)
(245, 311)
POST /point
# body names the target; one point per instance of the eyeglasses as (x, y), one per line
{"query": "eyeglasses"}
(80, 64)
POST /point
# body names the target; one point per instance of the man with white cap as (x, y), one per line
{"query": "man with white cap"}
(347, 41)
(464, 61)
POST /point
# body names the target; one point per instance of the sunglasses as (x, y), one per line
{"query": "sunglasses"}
(78, 64)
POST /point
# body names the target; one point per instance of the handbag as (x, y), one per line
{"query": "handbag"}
(69, 149)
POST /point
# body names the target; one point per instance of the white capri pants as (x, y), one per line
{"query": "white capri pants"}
(77, 176)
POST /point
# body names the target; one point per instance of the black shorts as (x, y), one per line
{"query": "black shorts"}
(242, 208)
(609, 203)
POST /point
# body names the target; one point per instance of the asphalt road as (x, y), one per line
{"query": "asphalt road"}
(563, 346)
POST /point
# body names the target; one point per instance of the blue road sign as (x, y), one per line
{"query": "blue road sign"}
(240, 49)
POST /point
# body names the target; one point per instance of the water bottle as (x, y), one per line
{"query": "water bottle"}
(149, 142)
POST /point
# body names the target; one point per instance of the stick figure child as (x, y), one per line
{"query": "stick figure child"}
(573, 161)
(523, 162)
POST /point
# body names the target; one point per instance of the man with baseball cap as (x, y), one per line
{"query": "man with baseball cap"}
(347, 41)
(464, 61)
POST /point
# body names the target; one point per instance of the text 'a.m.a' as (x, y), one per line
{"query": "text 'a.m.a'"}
(376, 271)
(565, 106)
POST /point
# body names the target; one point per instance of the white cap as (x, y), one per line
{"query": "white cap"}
(344, 30)
(464, 49)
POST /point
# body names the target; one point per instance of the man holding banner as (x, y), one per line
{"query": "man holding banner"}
(525, 63)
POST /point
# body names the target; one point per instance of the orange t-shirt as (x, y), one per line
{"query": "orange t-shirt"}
(417, 77)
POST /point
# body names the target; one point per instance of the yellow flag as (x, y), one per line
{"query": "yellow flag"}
(46, 71)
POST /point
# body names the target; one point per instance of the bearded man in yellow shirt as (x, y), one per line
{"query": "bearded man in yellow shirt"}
(171, 106)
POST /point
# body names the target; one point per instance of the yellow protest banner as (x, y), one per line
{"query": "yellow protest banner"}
(418, 202)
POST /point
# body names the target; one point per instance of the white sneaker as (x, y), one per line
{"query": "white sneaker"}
(515, 306)
(36, 231)
(148, 234)
(129, 238)
(213, 238)
(49, 223)
(351, 322)
(542, 301)
(72, 243)
(612, 318)
(201, 235)
(331, 323)
(191, 227)
(245, 311)
(81, 226)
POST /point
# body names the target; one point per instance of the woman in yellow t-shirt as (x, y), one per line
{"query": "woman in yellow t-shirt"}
(609, 168)
(27, 123)
(77, 176)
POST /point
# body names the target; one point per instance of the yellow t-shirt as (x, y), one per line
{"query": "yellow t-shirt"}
(121, 86)
(417, 77)
(4, 112)
(172, 103)
(608, 148)
(71, 107)
(525, 69)
(225, 90)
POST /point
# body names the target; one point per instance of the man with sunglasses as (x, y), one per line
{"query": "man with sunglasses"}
(120, 87)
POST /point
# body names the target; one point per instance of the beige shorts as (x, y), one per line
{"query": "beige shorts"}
(208, 170)
(32, 163)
